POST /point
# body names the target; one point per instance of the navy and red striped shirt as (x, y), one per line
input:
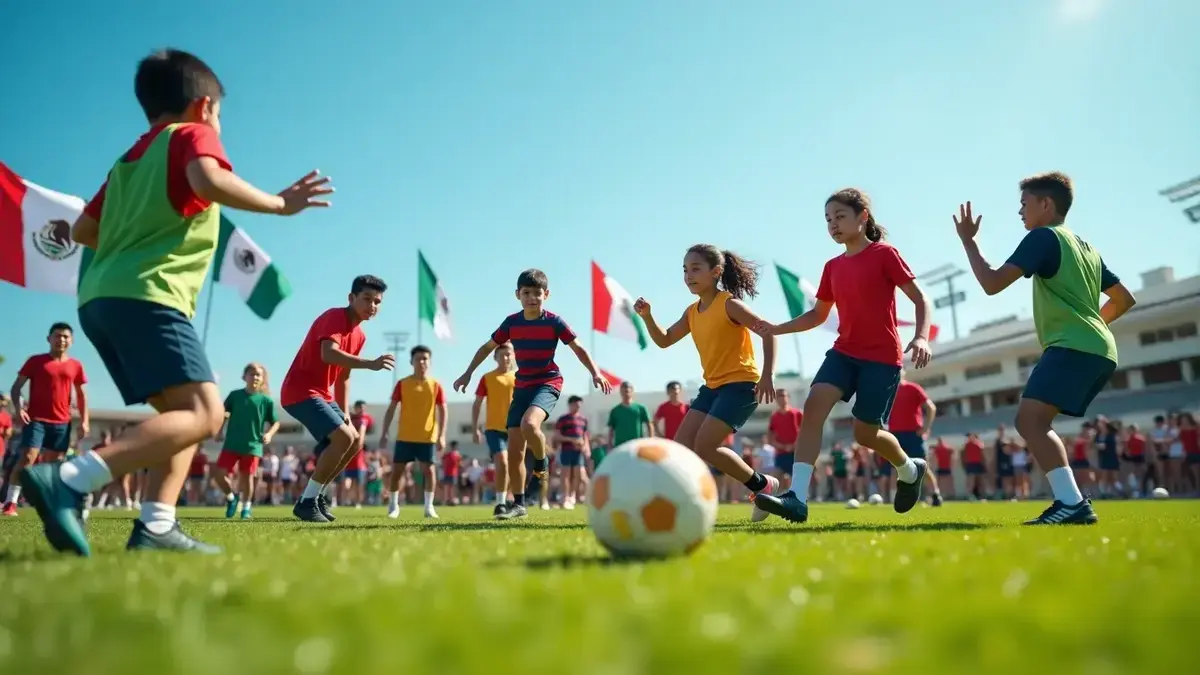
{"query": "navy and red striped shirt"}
(534, 342)
(572, 428)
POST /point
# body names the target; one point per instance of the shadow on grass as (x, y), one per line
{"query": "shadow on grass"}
(570, 561)
(855, 527)
(478, 526)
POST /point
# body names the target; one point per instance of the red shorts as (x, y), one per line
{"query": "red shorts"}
(247, 465)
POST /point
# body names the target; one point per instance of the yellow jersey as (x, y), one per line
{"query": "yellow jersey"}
(726, 348)
(497, 388)
(419, 400)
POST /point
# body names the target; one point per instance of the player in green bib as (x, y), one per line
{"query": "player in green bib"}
(1079, 354)
(150, 234)
(250, 424)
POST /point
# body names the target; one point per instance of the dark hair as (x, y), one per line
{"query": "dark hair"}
(170, 80)
(533, 278)
(358, 403)
(859, 201)
(1054, 185)
(674, 383)
(419, 349)
(366, 282)
(453, 445)
(60, 325)
(1159, 419)
(626, 385)
(575, 399)
(738, 276)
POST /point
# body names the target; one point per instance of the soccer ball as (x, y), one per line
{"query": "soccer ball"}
(652, 498)
(1161, 493)
(875, 499)
(853, 503)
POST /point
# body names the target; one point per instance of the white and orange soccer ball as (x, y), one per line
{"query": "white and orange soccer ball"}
(652, 498)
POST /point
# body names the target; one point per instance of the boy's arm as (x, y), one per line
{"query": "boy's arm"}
(269, 434)
(332, 354)
(211, 181)
(480, 354)
(387, 423)
(1120, 300)
(650, 431)
(586, 359)
(15, 396)
(81, 402)
(991, 280)
(442, 414)
(476, 408)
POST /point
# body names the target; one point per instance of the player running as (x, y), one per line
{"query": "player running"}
(250, 424)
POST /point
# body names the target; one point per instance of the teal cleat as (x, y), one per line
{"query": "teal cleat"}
(246, 514)
(231, 506)
(59, 507)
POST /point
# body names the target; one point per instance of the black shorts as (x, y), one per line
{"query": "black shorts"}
(871, 384)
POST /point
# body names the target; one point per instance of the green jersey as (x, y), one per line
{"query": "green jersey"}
(628, 422)
(249, 416)
(599, 452)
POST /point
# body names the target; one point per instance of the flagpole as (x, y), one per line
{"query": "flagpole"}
(419, 323)
(208, 305)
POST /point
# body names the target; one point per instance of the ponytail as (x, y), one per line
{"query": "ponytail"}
(739, 276)
(875, 231)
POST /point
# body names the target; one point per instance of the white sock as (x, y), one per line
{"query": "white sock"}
(501, 497)
(907, 471)
(801, 479)
(158, 517)
(14, 493)
(1062, 483)
(429, 500)
(312, 489)
(86, 473)
(394, 501)
(230, 497)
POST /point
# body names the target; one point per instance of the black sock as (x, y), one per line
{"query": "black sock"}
(539, 464)
(518, 498)
(756, 483)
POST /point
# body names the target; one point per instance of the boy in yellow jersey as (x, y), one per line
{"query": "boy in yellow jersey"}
(733, 387)
(421, 431)
(497, 388)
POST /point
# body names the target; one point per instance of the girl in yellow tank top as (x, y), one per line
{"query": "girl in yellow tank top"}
(733, 383)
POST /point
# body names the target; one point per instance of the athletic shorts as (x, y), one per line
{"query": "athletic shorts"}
(975, 469)
(319, 417)
(912, 443)
(1068, 379)
(353, 474)
(497, 441)
(1193, 460)
(405, 451)
(871, 384)
(146, 347)
(944, 472)
(449, 480)
(569, 458)
(731, 403)
(538, 396)
(884, 469)
(1080, 464)
(46, 436)
(247, 465)
(1135, 459)
(784, 462)
(840, 473)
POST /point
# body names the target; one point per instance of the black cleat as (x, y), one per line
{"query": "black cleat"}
(787, 506)
(323, 507)
(512, 511)
(908, 494)
(308, 511)
(498, 512)
(1061, 514)
(937, 499)
(174, 539)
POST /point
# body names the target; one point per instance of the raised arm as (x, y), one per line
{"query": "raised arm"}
(658, 336)
(806, 321)
(482, 353)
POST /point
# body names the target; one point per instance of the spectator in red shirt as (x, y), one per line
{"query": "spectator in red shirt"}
(353, 484)
(784, 429)
(1135, 456)
(974, 465)
(47, 421)
(910, 422)
(452, 461)
(670, 412)
(197, 475)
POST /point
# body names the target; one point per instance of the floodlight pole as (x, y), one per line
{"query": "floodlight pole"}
(946, 274)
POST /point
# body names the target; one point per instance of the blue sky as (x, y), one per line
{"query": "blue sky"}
(498, 136)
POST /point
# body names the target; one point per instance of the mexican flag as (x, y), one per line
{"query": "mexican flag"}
(36, 250)
(432, 304)
(801, 296)
(612, 310)
(240, 263)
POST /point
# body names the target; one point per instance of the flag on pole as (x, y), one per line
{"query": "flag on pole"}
(612, 379)
(242, 264)
(612, 310)
(431, 300)
(801, 296)
(36, 249)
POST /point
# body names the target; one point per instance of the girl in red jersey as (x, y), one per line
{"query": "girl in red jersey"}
(866, 358)
(1081, 462)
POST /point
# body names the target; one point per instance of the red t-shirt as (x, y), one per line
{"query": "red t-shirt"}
(451, 463)
(199, 461)
(489, 474)
(785, 427)
(309, 376)
(672, 415)
(50, 383)
(1080, 449)
(1190, 439)
(1136, 445)
(908, 413)
(366, 424)
(188, 142)
(863, 288)
(942, 453)
(5, 425)
(973, 452)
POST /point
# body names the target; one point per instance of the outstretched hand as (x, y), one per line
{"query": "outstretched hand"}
(383, 362)
(763, 328)
(602, 383)
(460, 385)
(965, 223)
(641, 307)
(306, 193)
(921, 353)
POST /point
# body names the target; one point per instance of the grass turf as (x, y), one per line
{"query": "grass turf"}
(957, 589)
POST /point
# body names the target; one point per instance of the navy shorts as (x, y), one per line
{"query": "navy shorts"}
(448, 480)
(1109, 461)
(1005, 471)
(871, 384)
(784, 462)
(975, 469)
(405, 451)
(146, 347)
(352, 474)
(497, 441)
(1193, 460)
(538, 396)
(570, 457)
(320, 417)
(884, 469)
(1080, 464)
(944, 472)
(1068, 379)
(46, 436)
(731, 403)
(912, 443)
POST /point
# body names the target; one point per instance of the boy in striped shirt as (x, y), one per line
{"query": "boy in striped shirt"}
(534, 334)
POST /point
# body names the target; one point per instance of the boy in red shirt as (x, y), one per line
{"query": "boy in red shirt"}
(51, 378)
(353, 486)
(451, 468)
(784, 429)
(911, 421)
(317, 386)
(943, 459)
(671, 412)
(866, 358)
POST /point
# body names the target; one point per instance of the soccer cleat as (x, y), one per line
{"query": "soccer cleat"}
(174, 539)
(430, 512)
(394, 512)
(1061, 514)
(308, 511)
(513, 511)
(500, 510)
(58, 506)
(568, 505)
(534, 489)
(908, 494)
(323, 505)
(246, 514)
(787, 506)
(937, 499)
(231, 506)
(10, 510)
(758, 515)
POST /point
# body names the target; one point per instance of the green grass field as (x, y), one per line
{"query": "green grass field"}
(957, 589)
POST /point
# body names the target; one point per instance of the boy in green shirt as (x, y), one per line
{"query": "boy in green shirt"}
(251, 424)
(1079, 354)
(151, 232)
(629, 420)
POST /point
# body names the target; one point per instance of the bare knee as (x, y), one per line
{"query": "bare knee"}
(1032, 422)
(202, 399)
(865, 434)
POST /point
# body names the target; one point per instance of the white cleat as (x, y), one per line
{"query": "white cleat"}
(758, 515)
(545, 506)
(430, 513)
(394, 513)
(84, 515)
(568, 506)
